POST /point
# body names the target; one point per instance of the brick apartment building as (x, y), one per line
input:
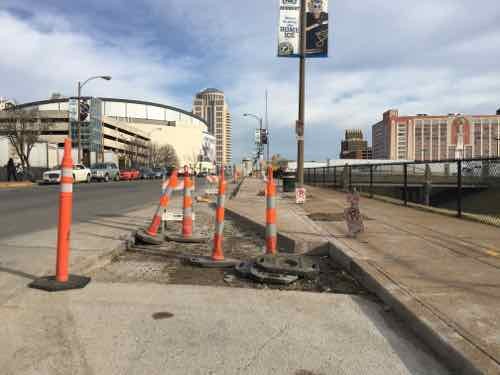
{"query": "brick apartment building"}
(354, 146)
(435, 137)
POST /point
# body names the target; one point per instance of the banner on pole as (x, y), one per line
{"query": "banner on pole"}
(316, 28)
(289, 29)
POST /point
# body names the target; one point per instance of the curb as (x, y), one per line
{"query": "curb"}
(104, 259)
(15, 185)
(455, 350)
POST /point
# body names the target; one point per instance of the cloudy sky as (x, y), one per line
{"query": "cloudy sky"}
(423, 56)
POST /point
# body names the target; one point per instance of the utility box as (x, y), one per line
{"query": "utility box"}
(288, 184)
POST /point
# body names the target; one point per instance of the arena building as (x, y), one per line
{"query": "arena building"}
(123, 127)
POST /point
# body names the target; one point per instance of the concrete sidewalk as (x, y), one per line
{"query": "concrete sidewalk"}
(440, 273)
(26, 257)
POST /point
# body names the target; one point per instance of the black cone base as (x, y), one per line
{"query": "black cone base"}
(148, 239)
(208, 262)
(182, 239)
(50, 284)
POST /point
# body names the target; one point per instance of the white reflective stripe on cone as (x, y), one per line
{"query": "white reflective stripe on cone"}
(66, 188)
(67, 172)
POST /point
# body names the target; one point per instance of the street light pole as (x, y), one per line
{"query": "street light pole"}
(267, 131)
(260, 147)
(302, 74)
(80, 86)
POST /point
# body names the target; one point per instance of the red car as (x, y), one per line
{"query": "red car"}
(129, 174)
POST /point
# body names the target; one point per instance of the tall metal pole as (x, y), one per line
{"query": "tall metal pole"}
(79, 136)
(267, 130)
(302, 73)
(261, 151)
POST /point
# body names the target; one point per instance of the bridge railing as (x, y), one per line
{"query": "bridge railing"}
(465, 187)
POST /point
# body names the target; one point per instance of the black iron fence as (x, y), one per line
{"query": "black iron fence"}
(466, 187)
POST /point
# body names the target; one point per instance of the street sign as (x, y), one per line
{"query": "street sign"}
(257, 136)
(300, 195)
(73, 109)
(299, 128)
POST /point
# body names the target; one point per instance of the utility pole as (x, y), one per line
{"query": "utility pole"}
(302, 74)
(79, 135)
(267, 130)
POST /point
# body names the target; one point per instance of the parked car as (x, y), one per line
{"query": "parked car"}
(80, 174)
(105, 172)
(146, 173)
(129, 174)
(159, 173)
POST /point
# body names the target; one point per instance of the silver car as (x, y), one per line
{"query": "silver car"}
(105, 172)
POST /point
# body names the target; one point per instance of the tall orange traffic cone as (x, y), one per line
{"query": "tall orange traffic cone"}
(187, 214)
(271, 230)
(150, 235)
(217, 259)
(62, 280)
(218, 253)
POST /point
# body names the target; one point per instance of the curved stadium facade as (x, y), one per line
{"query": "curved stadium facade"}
(121, 125)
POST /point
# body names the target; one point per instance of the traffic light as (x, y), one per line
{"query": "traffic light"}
(263, 137)
(84, 111)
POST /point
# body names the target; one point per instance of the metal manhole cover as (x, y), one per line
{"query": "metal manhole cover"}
(298, 265)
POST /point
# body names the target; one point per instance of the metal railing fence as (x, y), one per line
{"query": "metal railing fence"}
(466, 186)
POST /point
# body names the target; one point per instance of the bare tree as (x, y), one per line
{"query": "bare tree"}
(168, 156)
(154, 155)
(23, 128)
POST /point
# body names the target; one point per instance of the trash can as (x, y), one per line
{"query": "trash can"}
(288, 184)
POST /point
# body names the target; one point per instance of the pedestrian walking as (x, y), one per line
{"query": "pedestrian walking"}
(11, 170)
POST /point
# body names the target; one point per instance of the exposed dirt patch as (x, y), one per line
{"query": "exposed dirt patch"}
(335, 216)
(167, 263)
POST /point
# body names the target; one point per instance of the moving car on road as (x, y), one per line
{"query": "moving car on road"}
(80, 174)
(105, 172)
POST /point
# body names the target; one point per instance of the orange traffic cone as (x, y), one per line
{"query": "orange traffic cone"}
(150, 235)
(187, 214)
(62, 280)
(271, 230)
(217, 259)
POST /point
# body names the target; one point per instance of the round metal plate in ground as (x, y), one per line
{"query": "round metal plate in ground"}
(298, 265)
(208, 262)
(146, 238)
(243, 268)
(272, 277)
(182, 239)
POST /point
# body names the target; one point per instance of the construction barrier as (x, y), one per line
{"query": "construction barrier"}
(271, 229)
(63, 280)
(187, 214)
(150, 235)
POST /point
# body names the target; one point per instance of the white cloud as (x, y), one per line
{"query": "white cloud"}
(420, 57)
(39, 60)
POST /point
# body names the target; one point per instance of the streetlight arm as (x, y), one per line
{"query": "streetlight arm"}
(252, 115)
(107, 78)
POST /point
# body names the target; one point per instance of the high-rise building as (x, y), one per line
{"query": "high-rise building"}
(210, 104)
(354, 146)
(436, 137)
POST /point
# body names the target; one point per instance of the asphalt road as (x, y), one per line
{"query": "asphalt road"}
(26, 210)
